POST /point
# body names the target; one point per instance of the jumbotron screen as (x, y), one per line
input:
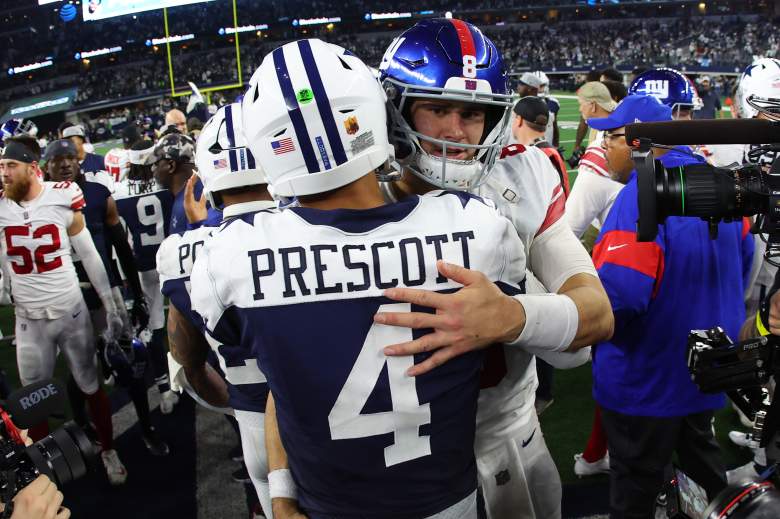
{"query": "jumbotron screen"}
(102, 9)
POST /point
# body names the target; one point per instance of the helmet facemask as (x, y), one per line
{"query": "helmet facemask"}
(444, 173)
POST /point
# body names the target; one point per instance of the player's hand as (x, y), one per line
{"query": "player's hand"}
(774, 314)
(139, 313)
(286, 509)
(194, 209)
(474, 317)
(39, 500)
(114, 326)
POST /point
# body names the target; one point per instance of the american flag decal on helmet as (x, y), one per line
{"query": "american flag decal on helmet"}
(281, 146)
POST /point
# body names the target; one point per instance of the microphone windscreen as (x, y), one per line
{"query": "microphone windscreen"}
(34, 403)
(706, 131)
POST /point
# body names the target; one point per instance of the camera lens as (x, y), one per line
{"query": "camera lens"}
(709, 192)
(64, 455)
(697, 190)
(745, 500)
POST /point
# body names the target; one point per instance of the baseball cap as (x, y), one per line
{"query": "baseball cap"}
(534, 111)
(635, 108)
(130, 134)
(73, 131)
(530, 79)
(173, 146)
(597, 92)
(60, 148)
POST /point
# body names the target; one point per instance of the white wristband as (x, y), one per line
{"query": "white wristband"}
(281, 484)
(551, 321)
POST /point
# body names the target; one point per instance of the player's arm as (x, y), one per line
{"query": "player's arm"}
(190, 349)
(582, 131)
(556, 133)
(282, 487)
(118, 238)
(562, 265)
(82, 243)
(5, 282)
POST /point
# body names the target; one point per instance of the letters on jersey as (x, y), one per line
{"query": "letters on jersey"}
(145, 209)
(304, 306)
(246, 384)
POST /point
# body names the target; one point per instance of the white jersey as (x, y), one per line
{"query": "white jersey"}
(118, 163)
(554, 106)
(527, 190)
(594, 191)
(723, 155)
(35, 241)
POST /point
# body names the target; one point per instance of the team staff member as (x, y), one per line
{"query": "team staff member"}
(529, 128)
(172, 162)
(594, 191)
(90, 162)
(650, 407)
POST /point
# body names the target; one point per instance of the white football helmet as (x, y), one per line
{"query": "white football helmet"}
(314, 117)
(118, 163)
(544, 88)
(221, 155)
(759, 89)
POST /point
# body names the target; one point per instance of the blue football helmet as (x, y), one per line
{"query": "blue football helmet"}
(451, 60)
(14, 127)
(124, 359)
(670, 87)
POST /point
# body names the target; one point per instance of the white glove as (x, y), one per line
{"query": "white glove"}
(114, 327)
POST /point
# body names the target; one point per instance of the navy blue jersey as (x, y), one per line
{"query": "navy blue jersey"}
(299, 288)
(246, 384)
(93, 163)
(146, 211)
(178, 216)
(97, 188)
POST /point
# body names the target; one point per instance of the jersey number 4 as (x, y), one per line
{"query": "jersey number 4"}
(404, 421)
(33, 260)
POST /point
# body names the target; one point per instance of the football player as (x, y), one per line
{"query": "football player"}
(145, 208)
(300, 287)
(172, 165)
(40, 222)
(447, 116)
(233, 182)
(102, 219)
(757, 96)
(672, 88)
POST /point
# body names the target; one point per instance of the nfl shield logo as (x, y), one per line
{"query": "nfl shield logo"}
(471, 84)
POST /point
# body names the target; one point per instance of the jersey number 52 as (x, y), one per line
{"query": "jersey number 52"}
(33, 260)
(404, 421)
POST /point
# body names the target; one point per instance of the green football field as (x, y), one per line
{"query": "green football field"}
(566, 424)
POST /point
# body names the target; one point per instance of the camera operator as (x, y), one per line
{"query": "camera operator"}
(660, 291)
(38, 500)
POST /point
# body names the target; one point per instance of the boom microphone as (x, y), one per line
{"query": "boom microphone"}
(706, 131)
(34, 403)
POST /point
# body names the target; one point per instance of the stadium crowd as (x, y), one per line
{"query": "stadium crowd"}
(375, 261)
